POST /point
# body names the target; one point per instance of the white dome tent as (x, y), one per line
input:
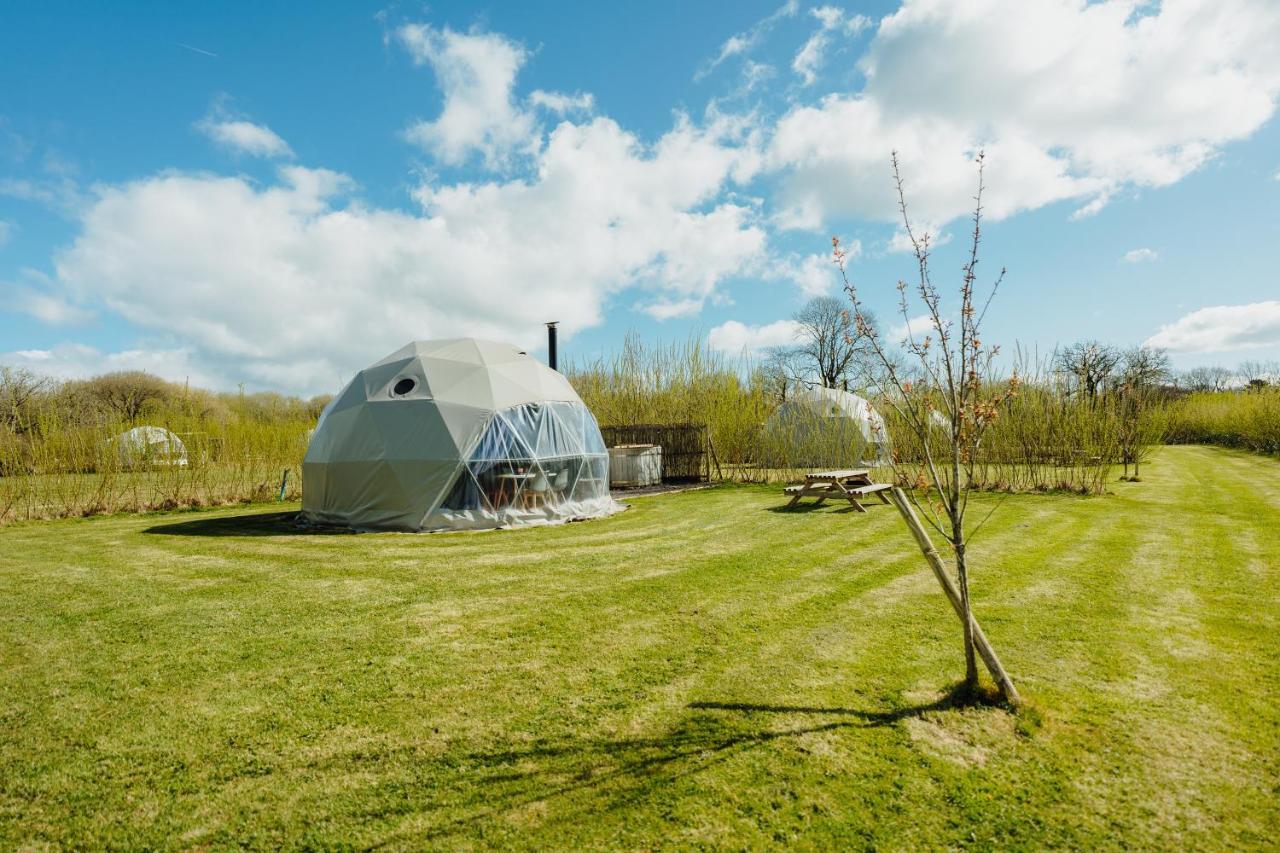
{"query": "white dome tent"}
(832, 426)
(150, 445)
(455, 435)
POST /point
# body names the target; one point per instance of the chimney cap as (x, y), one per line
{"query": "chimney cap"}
(553, 323)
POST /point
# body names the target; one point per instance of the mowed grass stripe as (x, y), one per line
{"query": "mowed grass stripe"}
(699, 670)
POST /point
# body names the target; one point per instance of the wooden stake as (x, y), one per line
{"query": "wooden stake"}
(934, 559)
(714, 458)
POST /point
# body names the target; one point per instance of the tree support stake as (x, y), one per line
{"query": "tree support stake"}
(980, 642)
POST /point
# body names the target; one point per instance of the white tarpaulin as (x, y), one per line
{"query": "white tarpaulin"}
(456, 435)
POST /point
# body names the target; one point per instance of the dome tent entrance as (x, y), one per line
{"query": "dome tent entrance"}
(455, 435)
(828, 426)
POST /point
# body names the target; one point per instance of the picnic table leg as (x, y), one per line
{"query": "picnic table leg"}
(851, 498)
(798, 495)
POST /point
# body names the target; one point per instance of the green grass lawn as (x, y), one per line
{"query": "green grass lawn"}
(700, 670)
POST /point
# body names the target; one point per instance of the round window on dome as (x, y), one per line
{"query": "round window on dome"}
(404, 386)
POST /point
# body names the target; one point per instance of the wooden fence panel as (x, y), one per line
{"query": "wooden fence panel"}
(684, 448)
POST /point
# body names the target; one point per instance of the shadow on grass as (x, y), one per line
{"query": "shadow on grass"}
(250, 524)
(812, 507)
(958, 695)
(587, 777)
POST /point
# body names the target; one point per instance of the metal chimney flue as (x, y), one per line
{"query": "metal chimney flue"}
(551, 345)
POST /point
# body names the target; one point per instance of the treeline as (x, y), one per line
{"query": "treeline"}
(1057, 433)
(1247, 418)
(1079, 418)
(61, 451)
(31, 404)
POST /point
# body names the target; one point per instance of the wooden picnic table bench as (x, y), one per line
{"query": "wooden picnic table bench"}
(849, 484)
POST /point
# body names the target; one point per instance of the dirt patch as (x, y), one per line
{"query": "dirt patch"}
(968, 736)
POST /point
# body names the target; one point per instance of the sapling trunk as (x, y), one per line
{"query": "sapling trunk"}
(951, 367)
(970, 658)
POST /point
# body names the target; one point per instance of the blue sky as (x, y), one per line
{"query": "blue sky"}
(277, 195)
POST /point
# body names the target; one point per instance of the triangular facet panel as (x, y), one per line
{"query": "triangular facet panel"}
(466, 495)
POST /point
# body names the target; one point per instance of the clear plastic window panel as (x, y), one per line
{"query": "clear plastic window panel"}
(535, 457)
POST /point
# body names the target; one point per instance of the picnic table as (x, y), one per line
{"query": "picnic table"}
(849, 484)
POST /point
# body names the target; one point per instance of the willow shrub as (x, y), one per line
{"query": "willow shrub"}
(57, 470)
(1046, 438)
(1248, 419)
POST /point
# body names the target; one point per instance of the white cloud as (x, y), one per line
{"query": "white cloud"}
(561, 104)
(744, 42)
(242, 136)
(1093, 207)
(36, 294)
(916, 327)
(75, 361)
(901, 240)
(476, 72)
(296, 284)
(51, 309)
(61, 193)
(669, 309)
(1071, 101)
(813, 275)
(737, 338)
(1138, 256)
(811, 56)
(1222, 328)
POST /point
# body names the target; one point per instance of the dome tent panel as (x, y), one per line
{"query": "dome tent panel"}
(499, 442)
(463, 384)
(466, 494)
(525, 422)
(369, 491)
(461, 350)
(488, 447)
(592, 439)
(560, 432)
(150, 445)
(820, 426)
(415, 429)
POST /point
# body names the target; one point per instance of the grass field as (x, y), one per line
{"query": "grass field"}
(700, 670)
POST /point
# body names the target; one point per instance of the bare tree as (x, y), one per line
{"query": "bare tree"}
(828, 342)
(1090, 363)
(781, 369)
(1144, 367)
(1143, 372)
(126, 394)
(1258, 374)
(1209, 378)
(956, 362)
(19, 389)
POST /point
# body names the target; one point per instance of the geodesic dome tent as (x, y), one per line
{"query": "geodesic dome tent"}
(828, 426)
(150, 445)
(455, 435)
